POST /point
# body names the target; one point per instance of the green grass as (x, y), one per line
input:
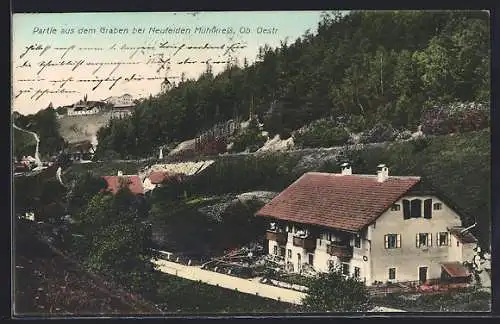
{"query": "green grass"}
(467, 301)
(178, 295)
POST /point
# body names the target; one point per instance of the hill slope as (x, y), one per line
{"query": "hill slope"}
(79, 128)
(458, 164)
(365, 67)
(47, 283)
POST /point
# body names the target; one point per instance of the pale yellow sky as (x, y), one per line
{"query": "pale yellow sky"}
(48, 37)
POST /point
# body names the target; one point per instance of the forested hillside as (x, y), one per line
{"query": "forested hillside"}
(368, 67)
(44, 124)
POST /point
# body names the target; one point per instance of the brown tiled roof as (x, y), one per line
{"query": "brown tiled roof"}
(346, 202)
(134, 183)
(455, 269)
(465, 237)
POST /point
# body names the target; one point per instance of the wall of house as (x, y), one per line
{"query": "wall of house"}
(321, 258)
(148, 185)
(83, 112)
(408, 258)
(361, 259)
(467, 252)
(455, 251)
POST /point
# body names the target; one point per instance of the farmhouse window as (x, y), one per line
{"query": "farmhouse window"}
(289, 253)
(357, 242)
(311, 259)
(282, 252)
(428, 208)
(438, 206)
(392, 241)
(406, 209)
(416, 208)
(345, 269)
(443, 239)
(424, 240)
(275, 250)
(357, 272)
(392, 273)
(395, 207)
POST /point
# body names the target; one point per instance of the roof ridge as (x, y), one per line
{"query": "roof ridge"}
(361, 175)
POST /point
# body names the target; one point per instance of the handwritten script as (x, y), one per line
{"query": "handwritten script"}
(49, 69)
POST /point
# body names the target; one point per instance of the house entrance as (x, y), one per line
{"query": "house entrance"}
(422, 274)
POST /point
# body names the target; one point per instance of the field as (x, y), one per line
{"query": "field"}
(466, 301)
(180, 296)
(79, 128)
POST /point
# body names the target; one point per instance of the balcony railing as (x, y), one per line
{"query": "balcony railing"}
(339, 250)
(308, 243)
(279, 237)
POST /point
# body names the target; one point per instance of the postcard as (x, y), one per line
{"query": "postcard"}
(256, 163)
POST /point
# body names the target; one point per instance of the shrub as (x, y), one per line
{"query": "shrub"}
(356, 123)
(419, 144)
(403, 135)
(321, 133)
(249, 139)
(457, 117)
(333, 292)
(381, 132)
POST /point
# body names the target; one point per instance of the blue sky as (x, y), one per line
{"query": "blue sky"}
(287, 24)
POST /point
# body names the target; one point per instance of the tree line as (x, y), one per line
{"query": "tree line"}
(368, 66)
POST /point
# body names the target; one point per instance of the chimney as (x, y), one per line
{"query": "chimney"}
(346, 169)
(382, 173)
(120, 173)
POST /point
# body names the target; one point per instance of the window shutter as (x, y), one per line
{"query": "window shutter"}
(386, 241)
(398, 241)
(428, 208)
(417, 240)
(438, 239)
(406, 209)
(448, 237)
(430, 239)
(416, 208)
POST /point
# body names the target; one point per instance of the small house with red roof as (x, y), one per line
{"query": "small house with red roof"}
(159, 178)
(114, 183)
(377, 228)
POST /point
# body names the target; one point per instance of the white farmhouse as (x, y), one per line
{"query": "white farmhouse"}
(378, 228)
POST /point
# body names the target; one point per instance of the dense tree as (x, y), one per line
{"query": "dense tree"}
(382, 67)
(333, 292)
(82, 189)
(44, 124)
(114, 239)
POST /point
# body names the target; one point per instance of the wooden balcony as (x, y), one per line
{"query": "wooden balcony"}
(308, 243)
(279, 237)
(339, 250)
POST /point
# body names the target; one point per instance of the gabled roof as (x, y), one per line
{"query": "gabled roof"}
(134, 183)
(158, 177)
(455, 269)
(345, 202)
(462, 236)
